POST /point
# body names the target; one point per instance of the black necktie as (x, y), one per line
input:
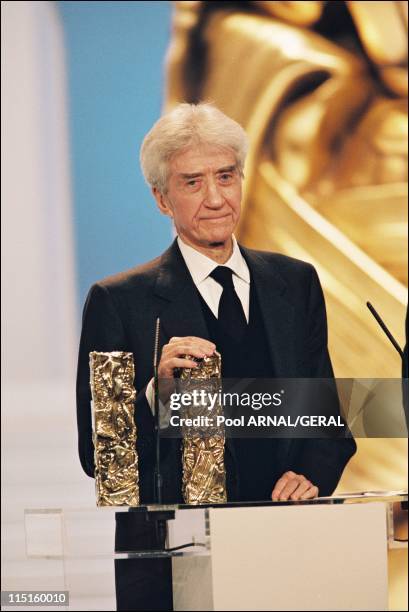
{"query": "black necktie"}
(231, 315)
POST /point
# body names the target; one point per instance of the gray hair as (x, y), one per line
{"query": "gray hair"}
(186, 125)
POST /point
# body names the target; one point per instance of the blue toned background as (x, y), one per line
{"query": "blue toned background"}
(82, 82)
(115, 62)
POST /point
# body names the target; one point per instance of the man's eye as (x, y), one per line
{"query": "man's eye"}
(192, 183)
(226, 176)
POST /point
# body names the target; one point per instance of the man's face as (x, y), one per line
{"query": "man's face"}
(204, 195)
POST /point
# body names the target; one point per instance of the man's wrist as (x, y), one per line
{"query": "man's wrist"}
(150, 395)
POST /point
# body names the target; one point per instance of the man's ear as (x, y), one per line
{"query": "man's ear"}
(162, 202)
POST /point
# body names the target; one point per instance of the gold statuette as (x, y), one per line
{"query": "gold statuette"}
(204, 474)
(114, 435)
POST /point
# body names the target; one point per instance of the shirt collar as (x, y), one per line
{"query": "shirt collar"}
(200, 265)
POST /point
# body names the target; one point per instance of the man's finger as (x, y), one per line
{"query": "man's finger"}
(189, 342)
(289, 488)
(168, 365)
(179, 362)
(302, 488)
(177, 351)
(311, 493)
(280, 484)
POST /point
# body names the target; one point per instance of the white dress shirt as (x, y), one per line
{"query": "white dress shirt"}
(200, 266)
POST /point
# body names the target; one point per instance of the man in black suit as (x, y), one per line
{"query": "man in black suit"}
(263, 312)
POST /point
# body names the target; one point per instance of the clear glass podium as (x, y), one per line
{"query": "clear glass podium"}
(322, 554)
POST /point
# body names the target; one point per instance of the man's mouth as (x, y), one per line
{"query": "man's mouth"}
(214, 219)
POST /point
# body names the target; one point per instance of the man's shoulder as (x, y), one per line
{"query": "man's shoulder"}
(137, 277)
(280, 263)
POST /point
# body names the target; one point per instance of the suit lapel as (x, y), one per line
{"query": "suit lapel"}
(277, 313)
(278, 318)
(181, 314)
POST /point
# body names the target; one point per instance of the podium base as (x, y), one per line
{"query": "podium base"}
(143, 583)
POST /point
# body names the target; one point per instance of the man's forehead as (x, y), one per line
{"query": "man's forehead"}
(200, 159)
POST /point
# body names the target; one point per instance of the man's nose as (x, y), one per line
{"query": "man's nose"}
(214, 197)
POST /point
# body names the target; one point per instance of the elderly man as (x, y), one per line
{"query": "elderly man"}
(264, 312)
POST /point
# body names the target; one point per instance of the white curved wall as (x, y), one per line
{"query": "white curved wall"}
(40, 466)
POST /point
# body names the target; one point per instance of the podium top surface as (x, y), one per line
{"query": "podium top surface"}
(345, 498)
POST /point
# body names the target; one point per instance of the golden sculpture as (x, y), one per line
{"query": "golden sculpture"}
(322, 95)
(204, 475)
(321, 89)
(114, 435)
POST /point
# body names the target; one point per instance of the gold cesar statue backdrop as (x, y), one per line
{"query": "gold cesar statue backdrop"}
(321, 89)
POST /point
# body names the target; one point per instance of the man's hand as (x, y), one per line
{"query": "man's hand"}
(293, 486)
(188, 345)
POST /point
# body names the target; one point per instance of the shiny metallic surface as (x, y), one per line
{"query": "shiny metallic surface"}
(114, 434)
(204, 474)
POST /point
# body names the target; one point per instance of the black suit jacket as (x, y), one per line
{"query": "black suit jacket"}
(120, 314)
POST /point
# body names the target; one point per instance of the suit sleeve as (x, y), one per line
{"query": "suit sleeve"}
(317, 362)
(321, 460)
(102, 330)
